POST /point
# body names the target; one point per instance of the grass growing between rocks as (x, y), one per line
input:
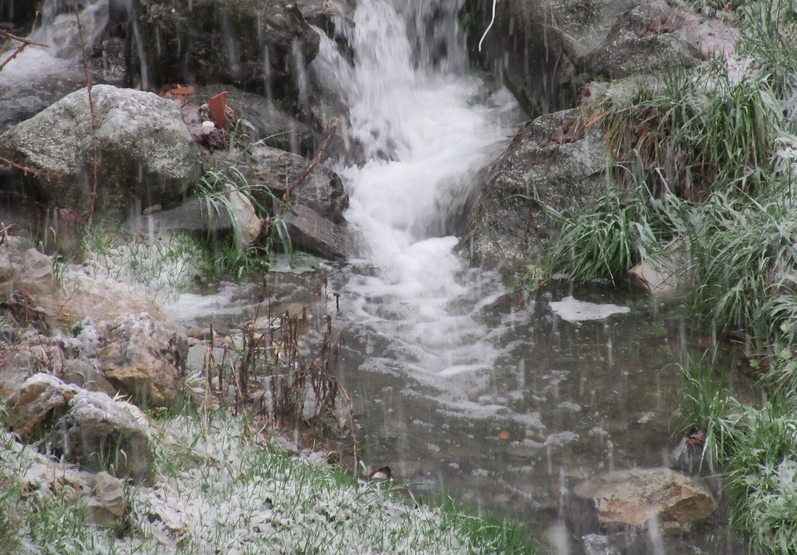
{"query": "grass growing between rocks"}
(706, 160)
(754, 448)
(220, 488)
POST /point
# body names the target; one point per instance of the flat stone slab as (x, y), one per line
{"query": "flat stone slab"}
(316, 235)
(632, 497)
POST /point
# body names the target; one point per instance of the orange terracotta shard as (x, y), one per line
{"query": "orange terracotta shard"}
(217, 106)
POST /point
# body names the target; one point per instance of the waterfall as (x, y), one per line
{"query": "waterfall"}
(426, 128)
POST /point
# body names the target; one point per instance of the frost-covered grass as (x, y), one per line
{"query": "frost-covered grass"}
(755, 449)
(165, 263)
(219, 488)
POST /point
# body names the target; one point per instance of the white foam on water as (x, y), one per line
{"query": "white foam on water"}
(425, 135)
(570, 309)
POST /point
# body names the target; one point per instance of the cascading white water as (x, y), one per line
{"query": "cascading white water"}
(427, 129)
(49, 72)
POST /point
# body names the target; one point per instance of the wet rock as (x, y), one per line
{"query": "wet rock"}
(664, 274)
(551, 156)
(22, 267)
(107, 504)
(272, 170)
(643, 41)
(145, 152)
(88, 293)
(196, 215)
(261, 46)
(544, 50)
(632, 497)
(100, 435)
(313, 234)
(248, 224)
(580, 515)
(19, 13)
(260, 119)
(192, 214)
(322, 189)
(32, 354)
(321, 13)
(38, 404)
(145, 359)
(522, 48)
(86, 375)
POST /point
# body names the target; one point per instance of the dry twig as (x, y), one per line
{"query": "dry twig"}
(26, 170)
(24, 43)
(316, 160)
(95, 161)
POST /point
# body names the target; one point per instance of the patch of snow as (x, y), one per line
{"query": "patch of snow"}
(571, 310)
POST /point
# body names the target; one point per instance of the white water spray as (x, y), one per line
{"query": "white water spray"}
(425, 131)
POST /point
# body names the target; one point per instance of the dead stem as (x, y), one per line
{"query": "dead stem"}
(24, 43)
(95, 160)
(316, 160)
(26, 170)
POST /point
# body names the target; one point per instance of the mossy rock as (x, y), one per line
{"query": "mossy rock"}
(259, 46)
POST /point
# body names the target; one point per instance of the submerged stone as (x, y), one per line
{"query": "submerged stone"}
(633, 497)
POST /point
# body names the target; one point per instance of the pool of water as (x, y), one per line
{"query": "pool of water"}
(510, 411)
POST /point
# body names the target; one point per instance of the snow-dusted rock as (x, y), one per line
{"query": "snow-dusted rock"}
(98, 434)
(145, 151)
(145, 358)
(107, 504)
(40, 401)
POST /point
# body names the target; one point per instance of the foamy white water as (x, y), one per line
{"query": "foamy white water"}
(427, 130)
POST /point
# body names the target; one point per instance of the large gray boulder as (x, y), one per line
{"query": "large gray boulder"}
(256, 45)
(552, 157)
(642, 41)
(145, 152)
(544, 50)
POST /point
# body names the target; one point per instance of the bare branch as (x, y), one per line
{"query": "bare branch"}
(316, 160)
(95, 160)
(9, 37)
(26, 170)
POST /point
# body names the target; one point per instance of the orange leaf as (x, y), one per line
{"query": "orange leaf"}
(183, 91)
(503, 435)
